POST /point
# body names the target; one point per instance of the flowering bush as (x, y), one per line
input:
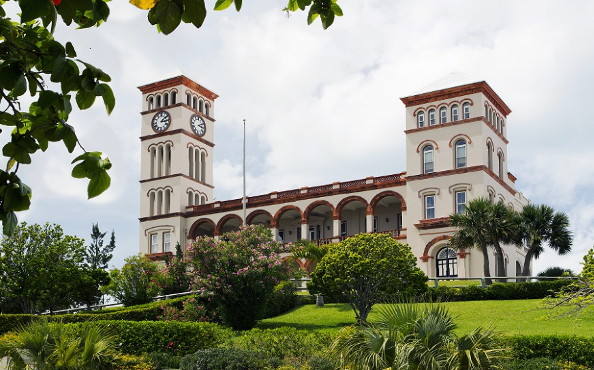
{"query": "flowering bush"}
(192, 310)
(239, 272)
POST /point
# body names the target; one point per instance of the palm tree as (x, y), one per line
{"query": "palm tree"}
(500, 229)
(413, 336)
(474, 230)
(539, 225)
(42, 346)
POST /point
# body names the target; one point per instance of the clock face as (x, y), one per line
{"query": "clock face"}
(161, 121)
(198, 125)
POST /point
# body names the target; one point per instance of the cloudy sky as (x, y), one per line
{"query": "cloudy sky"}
(316, 100)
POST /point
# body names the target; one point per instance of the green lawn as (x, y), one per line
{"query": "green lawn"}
(509, 317)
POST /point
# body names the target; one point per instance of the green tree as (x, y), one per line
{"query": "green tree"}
(414, 336)
(40, 268)
(539, 225)
(43, 346)
(238, 272)
(580, 294)
(34, 61)
(175, 278)
(366, 269)
(136, 283)
(473, 230)
(98, 256)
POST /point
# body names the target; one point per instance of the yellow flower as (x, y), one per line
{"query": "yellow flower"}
(144, 4)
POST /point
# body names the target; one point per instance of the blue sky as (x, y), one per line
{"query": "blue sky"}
(323, 106)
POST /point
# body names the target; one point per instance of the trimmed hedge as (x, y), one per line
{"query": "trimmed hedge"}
(175, 338)
(228, 359)
(145, 312)
(285, 342)
(283, 299)
(499, 291)
(540, 364)
(579, 350)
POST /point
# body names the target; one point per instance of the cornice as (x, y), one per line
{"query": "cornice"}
(454, 92)
(196, 111)
(177, 175)
(175, 132)
(175, 81)
(460, 122)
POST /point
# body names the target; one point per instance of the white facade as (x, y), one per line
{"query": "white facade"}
(456, 150)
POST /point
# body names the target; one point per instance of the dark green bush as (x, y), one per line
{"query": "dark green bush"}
(285, 342)
(498, 291)
(163, 361)
(175, 338)
(10, 322)
(540, 364)
(283, 299)
(228, 359)
(579, 350)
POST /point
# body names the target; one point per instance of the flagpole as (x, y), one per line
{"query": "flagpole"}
(244, 198)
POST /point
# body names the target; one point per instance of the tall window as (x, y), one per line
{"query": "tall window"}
(154, 243)
(428, 159)
(490, 155)
(195, 103)
(431, 117)
(150, 103)
(492, 195)
(173, 97)
(490, 116)
(207, 109)
(281, 235)
(165, 99)
(312, 233)
(486, 112)
(447, 263)
(460, 153)
(460, 202)
(454, 113)
(343, 228)
(188, 99)
(166, 242)
(466, 108)
(443, 115)
(158, 101)
(500, 157)
(429, 206)
(421, 119)
(201, 106)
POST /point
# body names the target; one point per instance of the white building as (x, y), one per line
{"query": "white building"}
(456, 150)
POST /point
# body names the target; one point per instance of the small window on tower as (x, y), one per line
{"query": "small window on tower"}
(421, 119)
(154, 243)
(466, 108)
(443, 114)
(429, 206)
(166, 242)
(432, 117)
(454, 113)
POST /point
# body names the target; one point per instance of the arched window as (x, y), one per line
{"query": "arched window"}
(165, 99)
(167, 154)
(490, 117)
(188, 99)
(153, 162)
(173, 97)
(428, 159)
(152, 203)
(454, 112)
(500, 157)
(491, 195)
(197, 199)
(195, 102)
(466, 108)
(421, 119)
(190, 198)
(158, 101)
(150, 103)
(160, 161)
(496, 122)
(203, 166)
(167, 202)
(490, 155)
(460, 153)
(191, 162)
(501, 125)
(201, 105)
(197, 164)
(443, 115)
(207, 109)
(431, 117)
(447, 263)
(486, 112)
(159, 202)
(202, 199)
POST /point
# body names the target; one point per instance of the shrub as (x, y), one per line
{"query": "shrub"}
(283, 299)
(176, 338)
(499, 291)
(136, 283)
(579, 350)
(163, 360)
(284, 342)
(11, 322)
(540, 364)
(228, 359)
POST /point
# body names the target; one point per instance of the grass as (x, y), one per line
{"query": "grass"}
(509, 317)
(454, 283)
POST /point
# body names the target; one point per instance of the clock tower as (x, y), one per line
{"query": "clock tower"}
(177, 143)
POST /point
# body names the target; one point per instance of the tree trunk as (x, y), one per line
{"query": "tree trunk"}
(526, 269)
(486, 271)
(500, 262)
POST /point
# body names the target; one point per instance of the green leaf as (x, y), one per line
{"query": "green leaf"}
(327, 17)
(19, 153)
(79, 171)
(108, 98)
(222, 4)
(100, 182)
(62, 70)
(169, 15)
(336, 9)
(238, 4)
(32, 85)
(67, 10)
(20, 87)
(302, 4)
(9, 223)
(195, 10)
(10, 163)
(70, 141)
(9, 75)
(311, 16)
(293, 5)
(99, 89)
(48, 98)
(70, 52)
(32, 9)
(85, 99)
(14, 201)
